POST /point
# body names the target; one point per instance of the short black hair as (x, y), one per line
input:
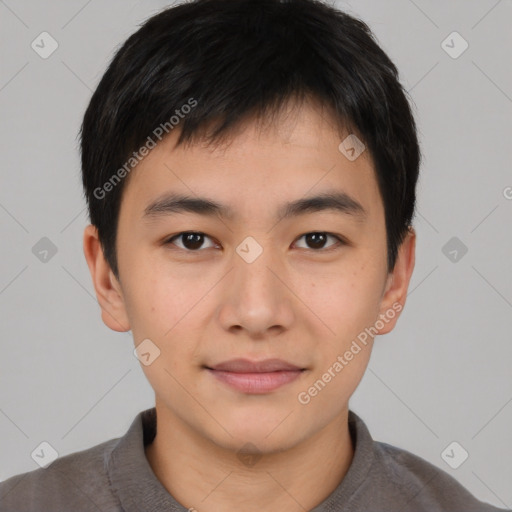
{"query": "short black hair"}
(210, 65)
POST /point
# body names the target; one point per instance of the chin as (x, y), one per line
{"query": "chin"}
(266, 435)
(257, 443)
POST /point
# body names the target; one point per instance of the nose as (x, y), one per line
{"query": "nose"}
(258, 297)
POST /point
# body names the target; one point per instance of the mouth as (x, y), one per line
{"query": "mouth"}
(255, 377)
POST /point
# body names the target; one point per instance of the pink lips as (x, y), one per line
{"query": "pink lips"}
(255, 377)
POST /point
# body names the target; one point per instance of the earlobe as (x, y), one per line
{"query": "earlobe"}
(397, 284)
(108, 290)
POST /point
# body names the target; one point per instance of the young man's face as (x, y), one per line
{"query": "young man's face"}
(255, 286)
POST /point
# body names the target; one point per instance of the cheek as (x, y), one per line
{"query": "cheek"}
(348, 305)
(345, 300)
(152, 305)
(167, 309)
(157, 294)
(163, 313)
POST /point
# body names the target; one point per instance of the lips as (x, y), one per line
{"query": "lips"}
(247, 366)
(255, 377)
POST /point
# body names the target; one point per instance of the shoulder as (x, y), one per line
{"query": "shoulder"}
(80, 478)
(421, 485)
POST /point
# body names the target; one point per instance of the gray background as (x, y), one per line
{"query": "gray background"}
(442, 375)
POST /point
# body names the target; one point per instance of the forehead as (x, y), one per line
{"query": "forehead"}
(296, 158)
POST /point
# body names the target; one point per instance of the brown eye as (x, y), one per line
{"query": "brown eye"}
(317, 240)
(190, 240)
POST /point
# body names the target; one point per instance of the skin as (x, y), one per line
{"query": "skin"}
(297, 301)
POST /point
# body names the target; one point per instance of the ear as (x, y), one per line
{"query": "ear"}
(397, 284)
(108, 289)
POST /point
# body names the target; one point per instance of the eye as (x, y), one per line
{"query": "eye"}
(317, 240)
(191, 240)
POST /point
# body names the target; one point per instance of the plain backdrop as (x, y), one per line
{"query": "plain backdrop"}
(444, 373)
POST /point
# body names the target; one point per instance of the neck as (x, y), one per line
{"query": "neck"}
(203, 476)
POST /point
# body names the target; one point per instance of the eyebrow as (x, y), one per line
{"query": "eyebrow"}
(173, 203)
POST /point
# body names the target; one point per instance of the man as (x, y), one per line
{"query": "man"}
(250, 172)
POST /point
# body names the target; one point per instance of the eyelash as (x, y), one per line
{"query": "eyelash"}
(341, 241)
